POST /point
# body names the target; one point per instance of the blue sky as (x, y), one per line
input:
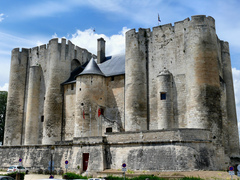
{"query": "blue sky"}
(28, 23)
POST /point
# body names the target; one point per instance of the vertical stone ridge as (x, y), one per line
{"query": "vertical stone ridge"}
(15, 103)
(203, 77)
(232, 125)
(32, 115)
(165, 100)
(136, 80)
(53, 98)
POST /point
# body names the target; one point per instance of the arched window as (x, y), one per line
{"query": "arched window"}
(74, 64)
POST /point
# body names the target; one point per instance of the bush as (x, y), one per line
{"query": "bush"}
(144, 177)
(192, 178)
(13, 175)
(115, 178)
(71, 175)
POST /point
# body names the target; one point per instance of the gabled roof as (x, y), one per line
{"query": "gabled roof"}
(112, 66)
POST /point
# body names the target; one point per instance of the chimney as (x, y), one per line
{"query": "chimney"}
(100, 50)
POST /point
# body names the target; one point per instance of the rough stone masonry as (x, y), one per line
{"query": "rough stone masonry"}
(166, 104)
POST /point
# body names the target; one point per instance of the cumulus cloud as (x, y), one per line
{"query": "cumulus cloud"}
(4, 87)
(236, 81)
(55, 35)
(8, 42)
(1, 17)
(87, 39)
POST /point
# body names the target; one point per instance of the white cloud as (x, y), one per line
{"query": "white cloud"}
(1, 17)
(55, 35)
(44, 9)
(87, 39)
(8, 42)
(236, 81)
(4, 87)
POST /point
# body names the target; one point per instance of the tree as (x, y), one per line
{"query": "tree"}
(3, 105)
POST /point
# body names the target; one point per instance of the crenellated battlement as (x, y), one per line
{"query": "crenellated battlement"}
(63, 42)
(195, 21)
(18, 50)
(142, 32)
(66, 49)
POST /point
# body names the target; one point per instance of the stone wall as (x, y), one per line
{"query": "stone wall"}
(171, 150)
(200, 86)
(69, 111)
(114, 111)
(54, 61)
(100, 92)
(37, 157)
(16, 94)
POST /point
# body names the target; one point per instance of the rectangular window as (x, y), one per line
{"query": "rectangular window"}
(42, 118)
(72, 86)
(112, 78)
(163, 96)
(109, 129)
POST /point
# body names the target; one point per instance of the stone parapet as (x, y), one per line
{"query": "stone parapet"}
(163, 150)
(160, 136)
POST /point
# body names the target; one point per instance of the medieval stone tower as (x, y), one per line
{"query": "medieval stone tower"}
(167, 104)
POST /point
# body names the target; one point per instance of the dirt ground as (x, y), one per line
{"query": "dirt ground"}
(209, 175)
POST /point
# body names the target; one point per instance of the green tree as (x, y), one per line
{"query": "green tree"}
(3, 105)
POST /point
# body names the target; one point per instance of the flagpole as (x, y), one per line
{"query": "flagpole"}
(158, 19)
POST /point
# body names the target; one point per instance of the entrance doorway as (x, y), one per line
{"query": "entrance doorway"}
(85, 161)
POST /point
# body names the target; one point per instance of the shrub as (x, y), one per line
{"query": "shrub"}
(13, 175)
(115, 178)
(144, 177)
(191, 178)
(71, 175)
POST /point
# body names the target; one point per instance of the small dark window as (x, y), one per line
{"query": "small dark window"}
(112, 78)
(72, 86)
(163, 96)
(109, 129)
(42, 118)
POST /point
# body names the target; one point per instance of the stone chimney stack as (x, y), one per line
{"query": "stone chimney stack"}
(100, 50)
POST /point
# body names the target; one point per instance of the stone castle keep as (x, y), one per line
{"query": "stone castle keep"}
(167, 104)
